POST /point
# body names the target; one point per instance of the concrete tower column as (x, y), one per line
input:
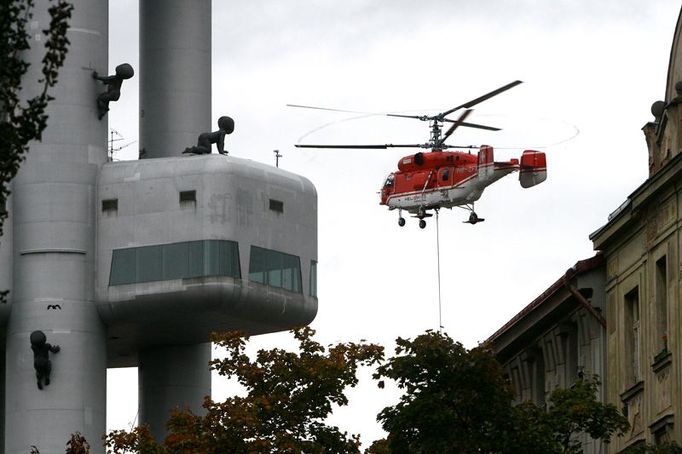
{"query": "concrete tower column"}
(169, 378)
(175, 107)
(53, 221)
(175, 75)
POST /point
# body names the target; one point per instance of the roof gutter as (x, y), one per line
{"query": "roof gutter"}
(583, 301)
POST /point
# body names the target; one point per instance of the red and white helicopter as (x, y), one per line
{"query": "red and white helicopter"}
(439, 179)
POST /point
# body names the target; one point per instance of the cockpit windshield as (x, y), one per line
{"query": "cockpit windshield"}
(389, 181)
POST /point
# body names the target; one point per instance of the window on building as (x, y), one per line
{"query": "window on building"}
(175, 261)
(277, 205)
(188, 196)
(662, 430)
(275, 269)
(110, 206)
(312, 291)
(661, 304)
(632, 335)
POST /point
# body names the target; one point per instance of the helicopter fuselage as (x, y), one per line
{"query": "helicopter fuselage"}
(445, 179)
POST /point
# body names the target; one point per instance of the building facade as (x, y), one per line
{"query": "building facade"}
(558, 338)
(641, 246)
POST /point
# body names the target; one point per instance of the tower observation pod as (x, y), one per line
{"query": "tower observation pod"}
(136, 263)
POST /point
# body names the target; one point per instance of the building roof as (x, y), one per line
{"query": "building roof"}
(580, 267)
(644, 194)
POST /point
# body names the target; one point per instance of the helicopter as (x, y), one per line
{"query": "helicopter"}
(429, 181)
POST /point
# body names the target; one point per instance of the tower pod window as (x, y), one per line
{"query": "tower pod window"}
(108, 205)
(163, 262)
(313, 279)
(188, 196)
(277, 206)
(275, 269)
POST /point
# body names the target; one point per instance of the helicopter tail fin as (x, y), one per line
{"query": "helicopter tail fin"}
(533, 168)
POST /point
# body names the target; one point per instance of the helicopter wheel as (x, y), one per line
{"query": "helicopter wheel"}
(401, 221)
(473, 218)
(422, 223)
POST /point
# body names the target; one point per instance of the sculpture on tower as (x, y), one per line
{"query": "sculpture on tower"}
(123, 71)
(41, 357)
(225, 126)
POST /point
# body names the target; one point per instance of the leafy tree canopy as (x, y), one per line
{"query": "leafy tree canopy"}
(458, 400)
(664, 448)
(453, 400)
(289, 396)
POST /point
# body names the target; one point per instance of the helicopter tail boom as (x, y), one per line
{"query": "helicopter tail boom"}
(533, 168)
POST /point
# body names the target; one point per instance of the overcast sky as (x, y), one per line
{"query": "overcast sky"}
(591, 71)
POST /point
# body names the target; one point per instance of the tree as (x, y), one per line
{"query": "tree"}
(22, 121)
(458, 400)
(570, 411)
(576, 409)
(664, 448)
(455, 400)
(77, 444)
(289, 396)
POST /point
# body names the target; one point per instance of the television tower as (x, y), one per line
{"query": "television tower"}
(134, 263)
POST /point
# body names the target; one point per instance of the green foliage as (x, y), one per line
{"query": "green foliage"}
(570, 411)
(577, 409)
(77, 444)
(455, 400)
(665, 448)
(24, 121)
(289, 396)
(139, 440)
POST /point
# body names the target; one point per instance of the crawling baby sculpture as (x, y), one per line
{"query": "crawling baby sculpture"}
(41, 357)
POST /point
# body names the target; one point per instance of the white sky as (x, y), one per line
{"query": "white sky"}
(592, 67)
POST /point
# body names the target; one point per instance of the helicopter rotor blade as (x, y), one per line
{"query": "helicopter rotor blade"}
(454, 126)
(332, 110)
(447, 120)
(473, 125)
(366, 147)
(416, 117)
(445, 146)
(480, 99)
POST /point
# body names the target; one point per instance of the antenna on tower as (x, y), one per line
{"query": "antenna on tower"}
(115, 136)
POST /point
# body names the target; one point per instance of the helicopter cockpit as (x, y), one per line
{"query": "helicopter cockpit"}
(387, 188)
(390, 180)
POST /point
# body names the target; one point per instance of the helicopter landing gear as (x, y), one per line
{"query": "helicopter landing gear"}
(421, 214)
(473, 219)
(401, 221)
